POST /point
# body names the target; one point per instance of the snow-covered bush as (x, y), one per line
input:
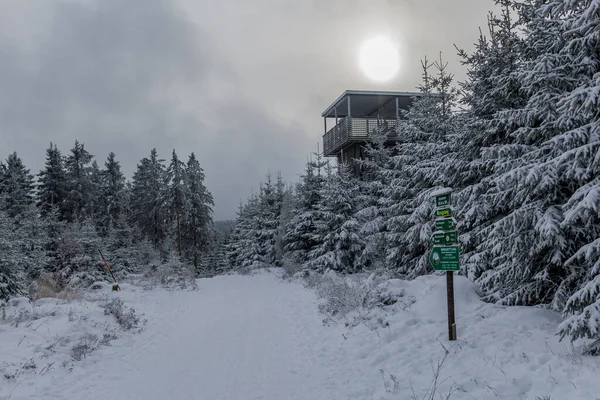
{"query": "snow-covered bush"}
(291, 268)
(87, 344)
(341, 294)
(126, 317)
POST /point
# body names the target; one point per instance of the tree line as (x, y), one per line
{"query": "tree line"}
(518, 141)
(55, 223)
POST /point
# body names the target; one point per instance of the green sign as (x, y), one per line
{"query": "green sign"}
(442, 200)
(445, 258)
(443, 212)
(445, 224)
(444, 237)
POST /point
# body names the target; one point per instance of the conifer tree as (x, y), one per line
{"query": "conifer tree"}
(340, 245)
(244, 251)
(426, 137)
(176, 196)
(147, 199)
(554, 139)
(16, 186)
(301, 237)
(52, 183)
(112, 195)
(490, 90)
(11, 279)
(378, 173)
(268, 222)
(197, 215)
(78, 183)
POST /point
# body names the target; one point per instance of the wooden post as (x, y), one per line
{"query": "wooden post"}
(450, 292)
(445, 254)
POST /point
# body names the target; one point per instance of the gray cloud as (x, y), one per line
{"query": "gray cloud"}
(240, 83)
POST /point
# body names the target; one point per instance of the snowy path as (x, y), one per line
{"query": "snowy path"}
(257, 337)
(235, 338)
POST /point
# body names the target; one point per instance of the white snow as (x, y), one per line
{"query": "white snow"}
(441, 192)
(258, 337)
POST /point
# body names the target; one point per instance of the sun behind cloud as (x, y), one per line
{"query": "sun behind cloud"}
(379, 59)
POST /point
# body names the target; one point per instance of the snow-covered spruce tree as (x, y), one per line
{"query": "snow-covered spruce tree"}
(197, 212)
(79, 183)
(285, 197)
(54, 228)
(77, 260)
(112, 199)
(176, 196)
(490, 89)
(16, 186)
(95, 204)
(300, 237)
(268, 223)
(557, 133)
(244, 250)
(377, 174)
(340, 246)
(235, 245)
(426, 138)
(147, 199)
(11, 277)
(32, 241)
(254, 240)
(125, 248)
(52, 183)
(573, 155)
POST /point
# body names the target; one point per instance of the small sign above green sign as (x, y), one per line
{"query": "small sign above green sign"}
(444, 237)
(442, 200)
(445, 224)
(445, 258)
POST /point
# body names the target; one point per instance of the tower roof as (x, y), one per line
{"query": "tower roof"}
(365, 103)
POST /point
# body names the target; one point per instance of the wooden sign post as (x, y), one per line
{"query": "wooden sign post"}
(445, 252)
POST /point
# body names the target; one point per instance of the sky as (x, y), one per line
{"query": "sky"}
(240, 83)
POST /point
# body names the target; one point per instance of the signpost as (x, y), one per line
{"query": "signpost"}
(440, 237)
(445, 252)
(445, 258)
(445, 224)
(443, 212)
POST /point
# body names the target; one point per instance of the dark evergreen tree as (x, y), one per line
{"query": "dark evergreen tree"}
(301, 236)
(16, 186)
(427, 136)
(113, 201)
(197, 212)
(244, 251)
(340, 245)
(176, 197)
(52, 183)
(79, 199)
(11, 278)
(147, 199)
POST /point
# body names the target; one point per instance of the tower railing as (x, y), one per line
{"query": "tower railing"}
(349, 130)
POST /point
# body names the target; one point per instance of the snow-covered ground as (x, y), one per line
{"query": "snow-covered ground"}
(258, 337)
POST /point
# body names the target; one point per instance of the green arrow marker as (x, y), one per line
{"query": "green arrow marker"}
(445, 224)
(449, 237)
